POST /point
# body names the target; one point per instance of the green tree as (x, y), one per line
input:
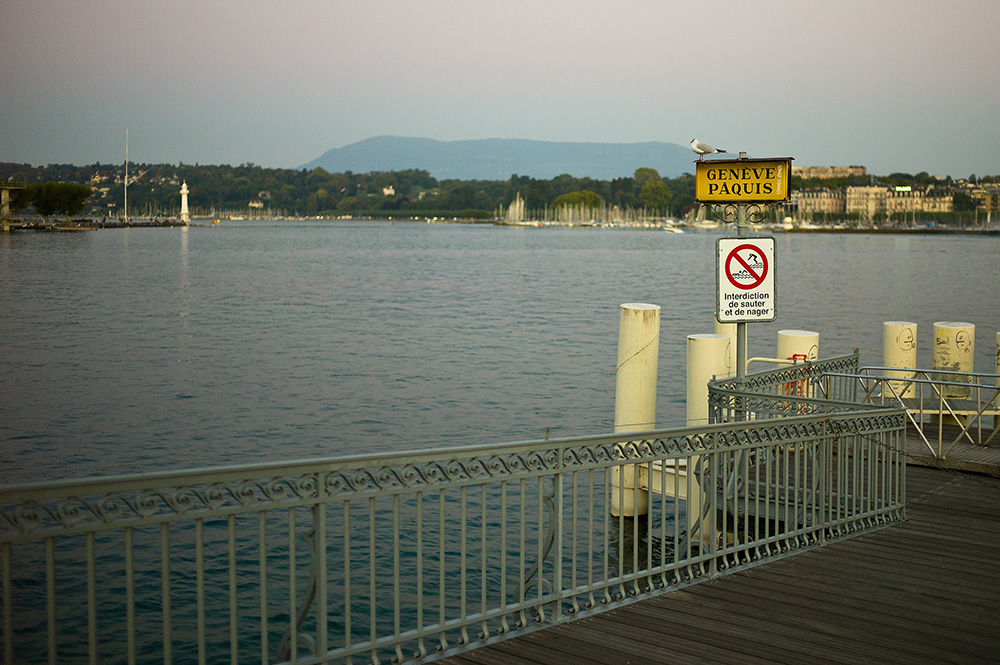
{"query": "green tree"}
(962, 202)
(65, 198)
(655, 195)
(586, 198)
(645, 175)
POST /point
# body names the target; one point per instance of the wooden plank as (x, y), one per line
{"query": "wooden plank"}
(795, 588)
(730, 642)
(865, 623)
(680, 649)
(810, 630)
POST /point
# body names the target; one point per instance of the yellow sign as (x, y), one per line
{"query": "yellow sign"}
(742, 180)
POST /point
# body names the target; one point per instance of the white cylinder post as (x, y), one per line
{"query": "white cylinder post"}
(635, 397)
(799, 345)
(899, 349)
(707, 357)
(954, 349)
(729, 329)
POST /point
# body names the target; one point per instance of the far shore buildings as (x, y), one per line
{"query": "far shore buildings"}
(868, 203)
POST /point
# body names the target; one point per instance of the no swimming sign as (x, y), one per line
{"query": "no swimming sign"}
(745, 280)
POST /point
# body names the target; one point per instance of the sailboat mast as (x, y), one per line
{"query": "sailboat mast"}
(126, 176)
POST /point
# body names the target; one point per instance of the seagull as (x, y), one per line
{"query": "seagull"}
(702, 149)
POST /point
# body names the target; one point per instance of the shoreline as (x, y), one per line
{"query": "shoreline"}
(93, 225)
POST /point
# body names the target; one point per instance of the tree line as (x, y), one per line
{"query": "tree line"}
(153, 190)
(52, 198)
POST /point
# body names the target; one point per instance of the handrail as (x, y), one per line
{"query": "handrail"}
(906, 387)
(410, 556)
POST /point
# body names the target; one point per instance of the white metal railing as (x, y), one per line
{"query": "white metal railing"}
(411, 556)
(934, 398)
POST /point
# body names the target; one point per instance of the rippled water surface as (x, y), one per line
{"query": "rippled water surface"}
(146, 349)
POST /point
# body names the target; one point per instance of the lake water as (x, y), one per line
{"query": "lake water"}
(139, 349)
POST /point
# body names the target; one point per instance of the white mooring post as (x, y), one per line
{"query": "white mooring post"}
(707, 358)
(954, 349)
(635, 397)
(800, 345)
(730, 330)
(899, 349)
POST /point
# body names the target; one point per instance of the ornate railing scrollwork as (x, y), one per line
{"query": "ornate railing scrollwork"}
(756, 212)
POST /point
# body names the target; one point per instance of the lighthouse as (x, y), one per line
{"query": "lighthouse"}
(185, 215)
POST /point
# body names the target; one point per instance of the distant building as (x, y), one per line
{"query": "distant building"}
(867, 202)
(987, 198)
(903, 200)
(809, 202)
(937, 201)
(872, 202)
(829, 171)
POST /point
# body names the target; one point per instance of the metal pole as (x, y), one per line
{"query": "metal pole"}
(741, 326)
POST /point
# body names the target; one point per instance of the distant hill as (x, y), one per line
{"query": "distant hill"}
(498, 159)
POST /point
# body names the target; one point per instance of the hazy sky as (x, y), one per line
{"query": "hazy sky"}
(895, 85)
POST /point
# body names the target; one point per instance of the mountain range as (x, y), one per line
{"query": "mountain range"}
(498, 159)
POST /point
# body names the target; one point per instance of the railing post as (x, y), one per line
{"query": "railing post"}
(557, 527)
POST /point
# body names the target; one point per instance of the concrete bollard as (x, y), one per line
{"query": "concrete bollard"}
(899, 349)
(954, 349)
(635, 397)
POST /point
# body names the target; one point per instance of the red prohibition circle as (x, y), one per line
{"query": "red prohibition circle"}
(757, 279)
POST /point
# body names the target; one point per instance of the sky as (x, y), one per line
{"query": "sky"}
(894, 85)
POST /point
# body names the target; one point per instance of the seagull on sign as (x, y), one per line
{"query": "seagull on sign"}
(702, 149)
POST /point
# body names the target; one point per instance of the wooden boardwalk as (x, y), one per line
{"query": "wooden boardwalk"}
(923, 591)
(963, 456)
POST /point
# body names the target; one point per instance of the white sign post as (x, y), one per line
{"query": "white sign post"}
(745, 280)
